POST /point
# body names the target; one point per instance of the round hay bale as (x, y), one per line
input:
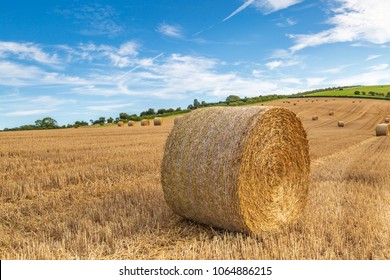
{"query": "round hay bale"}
(382, 129)
(314, 118)
(176, 120)
(244, 169)
(331, 113)
(341, 124)
(120, 123)
(145, 122)
(131, 123)
(387, 120)
(157, 121)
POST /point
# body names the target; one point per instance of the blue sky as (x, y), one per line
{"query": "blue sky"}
(81, 60)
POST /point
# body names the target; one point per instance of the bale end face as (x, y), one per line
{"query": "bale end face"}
(157, 121)
(382, 129)
(257, 173)
(145, 122)
(340, 124)
(131, 123)
(120, 123)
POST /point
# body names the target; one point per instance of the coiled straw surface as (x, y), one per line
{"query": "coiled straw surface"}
(238, 168)
(382, 129)
(145, 122)
(131, 123)
(157, 121)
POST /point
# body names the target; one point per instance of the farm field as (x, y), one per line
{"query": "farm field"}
(96, 194)
(350, 92)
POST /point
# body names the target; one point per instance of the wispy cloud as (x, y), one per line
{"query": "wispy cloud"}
(27, 51)
(170, 30)
(379, 67)
(265, 6)
(373, 56)
(270, 6)
(95, 19)
(350, 23)
(28, 112)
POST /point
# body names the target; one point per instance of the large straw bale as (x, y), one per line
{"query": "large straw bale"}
(120, 123)
(314, 118)
(341, 124)
(238, 168)
(387, 120)
(382, 129)
(157, 121)
(131, 123)
(145, 122)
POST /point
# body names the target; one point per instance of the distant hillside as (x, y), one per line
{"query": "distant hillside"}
(379, 92)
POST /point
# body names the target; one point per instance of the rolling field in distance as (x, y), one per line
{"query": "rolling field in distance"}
(96, 194)
(350, 92)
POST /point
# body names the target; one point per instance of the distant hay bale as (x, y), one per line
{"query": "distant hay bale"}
(120, 123)
(295, 104)
(176, 120)
(158, 121)
(233, 168)
(331, 113)
(382, 129)
(314, 118)
(340, 124)
(131, 123)
(145, 122)
(387, 120)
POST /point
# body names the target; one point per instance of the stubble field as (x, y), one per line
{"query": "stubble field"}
(95, 193)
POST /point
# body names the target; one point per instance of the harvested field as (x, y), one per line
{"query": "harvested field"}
(83, 194)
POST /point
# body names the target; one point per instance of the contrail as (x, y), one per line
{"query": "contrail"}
(197, 33)
(242, 7)
(138, 66)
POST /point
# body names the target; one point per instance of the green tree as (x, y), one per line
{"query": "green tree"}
(232, 98)
(110, 120)
(196, 103)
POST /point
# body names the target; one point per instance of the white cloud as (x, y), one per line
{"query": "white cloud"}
(28, 112)
(373, 56)
(369, 78)
(379, 67)
(364, 20)
(169, 30)
(265, 6)
(282, 63)
(26, 51)
(270, 6)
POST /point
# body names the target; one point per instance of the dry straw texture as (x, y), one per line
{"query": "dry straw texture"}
(120, 123)
(177, 120)
(340, 124)
(157, 121)
(131, 123)
(243, 169)
(145, 122)
(314, 118)
(382, 129)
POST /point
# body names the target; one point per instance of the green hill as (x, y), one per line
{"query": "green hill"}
(379, 92)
